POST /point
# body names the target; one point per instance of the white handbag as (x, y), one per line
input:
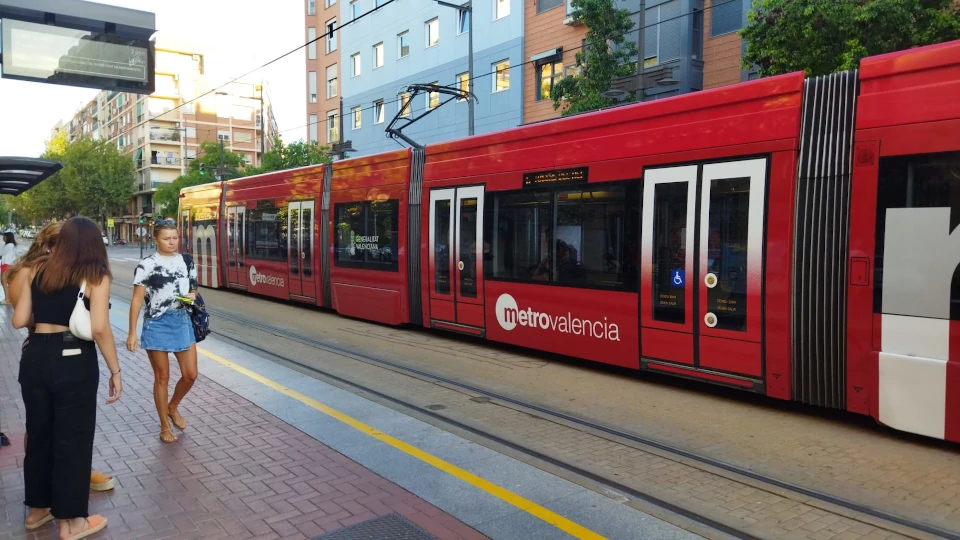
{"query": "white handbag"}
(80, 324)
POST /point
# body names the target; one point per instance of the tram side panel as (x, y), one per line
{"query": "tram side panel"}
(368, 220)
(905, 243)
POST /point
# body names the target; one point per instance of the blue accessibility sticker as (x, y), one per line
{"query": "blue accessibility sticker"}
(677, 278)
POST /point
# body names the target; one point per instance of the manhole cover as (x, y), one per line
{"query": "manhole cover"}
(390, 526)
(436, 407)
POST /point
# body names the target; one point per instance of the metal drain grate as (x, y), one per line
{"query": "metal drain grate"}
(388, 527)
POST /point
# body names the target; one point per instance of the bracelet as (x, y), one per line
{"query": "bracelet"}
(112, 373)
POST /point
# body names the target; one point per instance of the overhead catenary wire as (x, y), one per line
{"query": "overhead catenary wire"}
(494, 72)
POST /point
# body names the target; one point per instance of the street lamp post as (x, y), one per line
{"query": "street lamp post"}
(467, 8)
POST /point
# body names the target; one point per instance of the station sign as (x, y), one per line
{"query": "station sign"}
(562, 176)
(67, 56)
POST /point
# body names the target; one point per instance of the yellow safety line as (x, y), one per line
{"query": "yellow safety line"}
(509, 497)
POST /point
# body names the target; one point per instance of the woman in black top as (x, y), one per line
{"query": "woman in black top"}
(59, 377)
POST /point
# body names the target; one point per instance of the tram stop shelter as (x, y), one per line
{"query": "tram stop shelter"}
(73, 43)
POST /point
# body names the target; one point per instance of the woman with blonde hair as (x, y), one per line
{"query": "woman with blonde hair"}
(38, 253)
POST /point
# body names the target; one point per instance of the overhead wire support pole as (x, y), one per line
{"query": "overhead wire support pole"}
(466, 8)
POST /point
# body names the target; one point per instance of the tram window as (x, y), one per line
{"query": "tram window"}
(669, 251)
(920, 181)
(366, 234)
(441, 236)
(579, 238)
(522, 236)
(727, 251)
(267, 233)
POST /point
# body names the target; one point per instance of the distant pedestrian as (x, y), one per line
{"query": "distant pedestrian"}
(165, 284)
(8, 254)
(59, 377)
(16, 276)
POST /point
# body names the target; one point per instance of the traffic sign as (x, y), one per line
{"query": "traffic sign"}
(110, 223)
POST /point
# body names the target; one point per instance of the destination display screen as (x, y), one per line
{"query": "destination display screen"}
(563, 176)
(42, 53)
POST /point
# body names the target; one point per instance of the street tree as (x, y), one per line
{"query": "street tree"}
(48, 199)
(167, 196)
(98, 179)
(607, 55)
(290, 156)
(821, 37)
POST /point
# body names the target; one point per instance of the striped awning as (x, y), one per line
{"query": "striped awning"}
(18, 174)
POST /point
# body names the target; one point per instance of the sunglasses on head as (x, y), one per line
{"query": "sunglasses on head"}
(165, 223)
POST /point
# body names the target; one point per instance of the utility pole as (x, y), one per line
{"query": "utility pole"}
(220, 170)
(263, 125)
(640, 43)
(340, 129)
(468, 9)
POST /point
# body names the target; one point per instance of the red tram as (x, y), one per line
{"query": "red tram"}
(788, 236)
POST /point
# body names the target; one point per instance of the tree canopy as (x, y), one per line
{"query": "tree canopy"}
(606, 56)
(167, 196)
(821, 37)
(96, 181)
(290, 156)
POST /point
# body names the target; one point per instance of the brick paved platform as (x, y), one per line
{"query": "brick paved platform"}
(236, 472)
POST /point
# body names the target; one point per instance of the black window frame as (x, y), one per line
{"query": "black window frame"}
(632, 195)
(543, 7)
(552, 61)
(724, 12)
(367, 209)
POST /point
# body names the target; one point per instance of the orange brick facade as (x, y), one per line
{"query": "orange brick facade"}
(542, 32)
(721, 55)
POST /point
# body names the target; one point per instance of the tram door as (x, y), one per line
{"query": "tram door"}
(456, 259)
(702, 266)
(236, 269)
(300, 228)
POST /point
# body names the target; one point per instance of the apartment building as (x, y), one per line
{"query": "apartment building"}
(323, 70)
(162, 132)
(672, 49)
(722, 46)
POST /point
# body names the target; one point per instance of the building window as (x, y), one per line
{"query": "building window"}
(331, 81)
(191, 133)
(366, 234)
(463, 22)
(548, 73)
(357, 114)
(501, 81)
(403, 45)
(330, 3)
(662, 38)
(312, 43)
(355, 62)
(697, 52)
(544, 5)
(404, 103)
(333, 134)
(502, 9)
(463, 84)
(433, 98)
(331, 27)
(725, 17)
(378, 55)
(312, 83)
(378, 111)
(380, 3)
(354, 10)
(311, 7)
(581, 237)
(313, 129)
(433, 32)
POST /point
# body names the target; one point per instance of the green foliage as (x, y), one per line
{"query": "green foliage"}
(821, 37)
(96, 181)
(167, 197)
(291, 156)
(606, 56)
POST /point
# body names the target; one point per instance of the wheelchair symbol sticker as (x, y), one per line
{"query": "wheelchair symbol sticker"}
(677, 278)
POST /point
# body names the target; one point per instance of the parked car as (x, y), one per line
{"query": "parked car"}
(105, 241)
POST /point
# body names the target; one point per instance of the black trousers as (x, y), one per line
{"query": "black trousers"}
(58, 380)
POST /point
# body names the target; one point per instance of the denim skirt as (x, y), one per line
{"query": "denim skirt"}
(170, 332)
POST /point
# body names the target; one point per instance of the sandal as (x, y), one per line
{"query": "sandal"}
(173, 438)
(43, 521)
(182, 425)
(95, 524)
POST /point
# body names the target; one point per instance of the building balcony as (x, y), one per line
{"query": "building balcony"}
(160, 135)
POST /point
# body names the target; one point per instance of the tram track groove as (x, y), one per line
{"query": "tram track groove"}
(667, 451)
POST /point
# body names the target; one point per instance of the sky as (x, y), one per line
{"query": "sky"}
(252, 31)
